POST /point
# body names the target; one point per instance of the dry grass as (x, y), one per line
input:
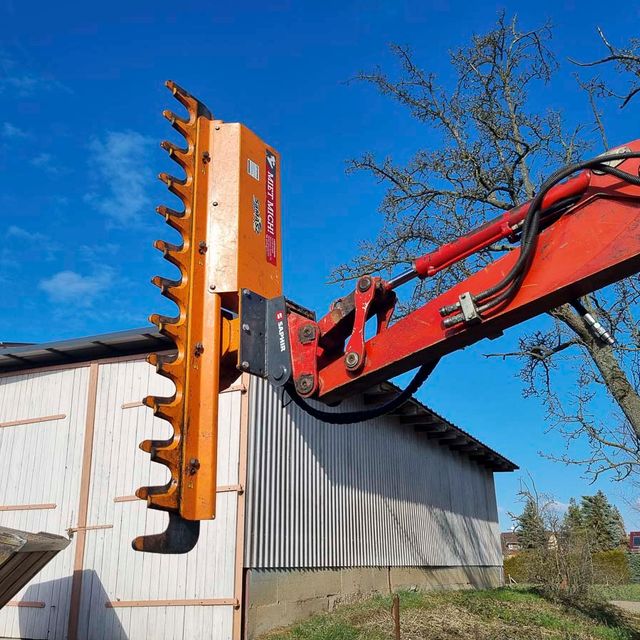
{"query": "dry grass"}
(497, 614)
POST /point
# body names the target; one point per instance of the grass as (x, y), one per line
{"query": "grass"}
(619, 592)
(495, 614)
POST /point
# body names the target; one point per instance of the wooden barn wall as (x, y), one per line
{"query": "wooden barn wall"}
(119, 593)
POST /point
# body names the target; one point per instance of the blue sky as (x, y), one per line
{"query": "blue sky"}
(81, 93)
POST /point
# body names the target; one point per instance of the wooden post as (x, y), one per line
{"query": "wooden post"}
(395, 614)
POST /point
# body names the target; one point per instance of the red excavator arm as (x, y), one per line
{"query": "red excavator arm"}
(581, 232)
(591, 238)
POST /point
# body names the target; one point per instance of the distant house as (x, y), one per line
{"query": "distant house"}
(510, 543)
(634, 541)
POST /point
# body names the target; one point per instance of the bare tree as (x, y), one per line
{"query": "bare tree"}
(491, 152)
(626, 61)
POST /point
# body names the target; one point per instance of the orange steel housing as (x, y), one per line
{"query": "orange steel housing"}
(224, 195)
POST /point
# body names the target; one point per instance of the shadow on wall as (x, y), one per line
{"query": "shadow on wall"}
(51, 623)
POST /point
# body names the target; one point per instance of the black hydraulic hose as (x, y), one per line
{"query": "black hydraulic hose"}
(351, 417)
(532, 222)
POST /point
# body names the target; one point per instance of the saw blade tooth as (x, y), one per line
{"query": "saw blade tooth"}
(183, 127)
(184, 157)
(163, 497)
(167, 454)
(177, 220)
(167, 247)
(167, 212)
(174, 374)
(165, 283)
(167, 363)
(191, 103)
(162, 321)
(173, 253)
(181, 188)
(166, 408)
(142, 492)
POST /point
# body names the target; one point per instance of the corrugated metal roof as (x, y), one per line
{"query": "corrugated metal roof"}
(110, 345)
(147, 339)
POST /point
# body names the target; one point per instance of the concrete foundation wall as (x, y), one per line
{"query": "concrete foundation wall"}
(280, 597)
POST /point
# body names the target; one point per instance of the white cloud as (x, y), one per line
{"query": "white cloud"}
(558, 506)
(23, 234)
(121, 163)
(41, 160)
(10, 131)
(46, 162)
(74, 288)
(23, 82)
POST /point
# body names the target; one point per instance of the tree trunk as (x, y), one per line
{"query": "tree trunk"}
(607, 364)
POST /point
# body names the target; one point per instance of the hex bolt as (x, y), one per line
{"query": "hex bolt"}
(352, 360)
(202, 247)
(206, 157)
(304, 384)
(198, 350)
(307, 333)
(364, 284)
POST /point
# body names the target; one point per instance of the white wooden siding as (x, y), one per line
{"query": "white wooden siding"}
(41, 463)
(113, 571)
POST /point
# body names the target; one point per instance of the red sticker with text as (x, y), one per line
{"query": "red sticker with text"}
(270, 238)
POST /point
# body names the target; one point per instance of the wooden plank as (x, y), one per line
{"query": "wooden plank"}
(19, 423)
(132, 405)
(238, 587)
(27, 507)
(91, 527)
(85, 478)
(196, 602)
(225, 488)
(29, 604)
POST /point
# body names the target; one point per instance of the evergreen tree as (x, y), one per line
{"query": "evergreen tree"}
(602, 522)
(573, 521)
(530, 526)
(619, 528)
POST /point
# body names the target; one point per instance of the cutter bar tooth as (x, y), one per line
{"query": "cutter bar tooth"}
(192, 104)
(164, 283)
(183, 127)
(181, 188)
(182, 156)
(172, 253)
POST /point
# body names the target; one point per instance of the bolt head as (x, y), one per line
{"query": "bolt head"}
(364, 284)
(215, 203)
(245, 327)
(244, 365)
(352, 360)
(304, 384)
